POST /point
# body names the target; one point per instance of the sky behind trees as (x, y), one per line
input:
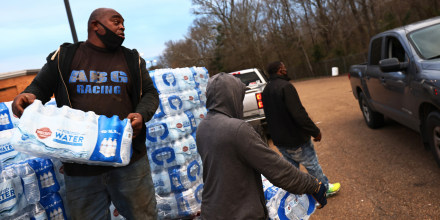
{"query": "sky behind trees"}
(30, 29)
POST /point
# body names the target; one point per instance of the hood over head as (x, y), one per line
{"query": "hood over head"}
(225, 94)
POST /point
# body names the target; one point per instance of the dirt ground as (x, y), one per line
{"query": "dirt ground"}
(385, 173)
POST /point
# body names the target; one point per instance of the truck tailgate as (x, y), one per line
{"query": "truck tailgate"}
(250, 105)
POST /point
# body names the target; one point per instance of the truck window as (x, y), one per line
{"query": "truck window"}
(426, 41)
(395, 49)
(250, 78)
(375, 51)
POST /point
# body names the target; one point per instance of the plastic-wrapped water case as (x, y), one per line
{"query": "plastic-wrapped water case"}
(73, 135)
(12, 197)
(283, 205)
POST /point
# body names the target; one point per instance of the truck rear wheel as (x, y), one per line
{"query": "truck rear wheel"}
(372, 118)
(433, 133)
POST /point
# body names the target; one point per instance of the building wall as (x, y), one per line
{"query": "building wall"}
(11, 87)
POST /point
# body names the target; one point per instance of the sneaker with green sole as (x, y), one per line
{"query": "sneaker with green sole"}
(333, 189)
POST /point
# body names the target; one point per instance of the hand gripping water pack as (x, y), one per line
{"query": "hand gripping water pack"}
(73, 136)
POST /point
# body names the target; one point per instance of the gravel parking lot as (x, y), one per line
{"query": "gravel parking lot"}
(385, 173)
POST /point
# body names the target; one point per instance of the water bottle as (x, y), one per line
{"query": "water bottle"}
(12, 200)
(188, 195)
(201, 91)
(19, 216)
(157, 131)
(190, 144)
(200, 75)
(167, 206)
(165, 81)
(171, 104)
(181, 152)
(199, 114)
(14, 119)
(179, 178)
(177, 127)
(115, 214)
(5, 119)
(183, 204)
(193, 171)
(180, 125)
(274, 203)
(190, 98)
(185, 78)
(161, 157)
(53, 204)
(44, 169)
(293, 209)
(161, 182)
(37, 212)
(198, 192)
(30, 182)
(7, 151)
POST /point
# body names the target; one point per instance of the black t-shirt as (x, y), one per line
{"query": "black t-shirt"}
(99, 81)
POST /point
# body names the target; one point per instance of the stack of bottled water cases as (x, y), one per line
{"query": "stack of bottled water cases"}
(30, 187)
(283, 205)
(171, 146)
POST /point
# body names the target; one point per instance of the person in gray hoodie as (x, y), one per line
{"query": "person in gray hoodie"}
(234, 158)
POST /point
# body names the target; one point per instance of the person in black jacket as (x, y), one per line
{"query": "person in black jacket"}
(290, 126)
(102, 76)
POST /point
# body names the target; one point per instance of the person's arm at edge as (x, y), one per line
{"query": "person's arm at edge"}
(271, 165)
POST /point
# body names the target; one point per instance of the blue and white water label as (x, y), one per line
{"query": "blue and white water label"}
(5, 118)
(108, 145)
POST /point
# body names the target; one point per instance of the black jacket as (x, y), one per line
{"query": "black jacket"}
(288, 122)
(51, 80)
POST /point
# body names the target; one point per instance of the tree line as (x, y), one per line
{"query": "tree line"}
(309, 36)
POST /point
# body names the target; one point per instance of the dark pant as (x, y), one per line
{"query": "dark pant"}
(130, 188)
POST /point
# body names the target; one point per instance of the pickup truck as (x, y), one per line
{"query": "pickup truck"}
(401, 80)
(255, 81)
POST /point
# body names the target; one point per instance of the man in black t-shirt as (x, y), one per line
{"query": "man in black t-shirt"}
(102, 76)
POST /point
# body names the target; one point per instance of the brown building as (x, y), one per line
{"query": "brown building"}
(13, 83)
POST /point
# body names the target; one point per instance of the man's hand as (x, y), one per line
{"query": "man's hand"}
(317, 138)
(320, 195)
(136, 123)
(22, 101)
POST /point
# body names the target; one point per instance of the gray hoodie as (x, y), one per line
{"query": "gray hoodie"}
(234, 157)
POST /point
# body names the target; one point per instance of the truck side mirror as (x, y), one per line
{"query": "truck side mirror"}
(392, 65)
